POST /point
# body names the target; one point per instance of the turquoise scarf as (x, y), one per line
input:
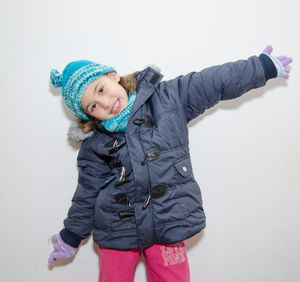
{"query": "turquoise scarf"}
(119, 122)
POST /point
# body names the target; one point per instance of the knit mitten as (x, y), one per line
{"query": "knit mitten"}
(61, 249)
(280, 62)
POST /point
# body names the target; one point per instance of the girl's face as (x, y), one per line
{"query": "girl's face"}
(104, 97)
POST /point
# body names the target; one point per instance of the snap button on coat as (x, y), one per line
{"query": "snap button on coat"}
(124, 214)
(147, 121)
(121, 198)
(157, 192)
(114, 145)
(184, 166)
(152, 154)
(122, 180)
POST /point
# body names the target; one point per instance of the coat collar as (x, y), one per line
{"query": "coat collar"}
(147, 80)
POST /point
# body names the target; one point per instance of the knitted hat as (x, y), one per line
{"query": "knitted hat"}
(74, 79)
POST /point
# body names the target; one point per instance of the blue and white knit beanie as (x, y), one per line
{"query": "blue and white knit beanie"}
(74, 79)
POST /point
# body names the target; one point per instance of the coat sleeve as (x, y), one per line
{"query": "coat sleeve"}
(198, 91)
(92, 172)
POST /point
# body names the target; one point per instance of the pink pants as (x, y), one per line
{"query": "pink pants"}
(164, 263)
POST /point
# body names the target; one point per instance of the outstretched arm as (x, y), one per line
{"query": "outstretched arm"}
(198, 91)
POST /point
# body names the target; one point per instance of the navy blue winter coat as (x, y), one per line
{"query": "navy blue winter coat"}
(137, 188)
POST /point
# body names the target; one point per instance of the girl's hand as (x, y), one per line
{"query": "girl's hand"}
(61, 249)
(280, 62)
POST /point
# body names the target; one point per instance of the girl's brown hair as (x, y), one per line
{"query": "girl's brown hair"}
(129, 84)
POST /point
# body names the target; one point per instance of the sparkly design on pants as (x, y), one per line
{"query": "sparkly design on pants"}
(173, 253)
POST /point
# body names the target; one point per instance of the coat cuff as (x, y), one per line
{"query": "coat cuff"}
(269, 67)
(70, 238)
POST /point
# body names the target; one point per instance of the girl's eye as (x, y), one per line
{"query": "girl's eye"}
(101, 89)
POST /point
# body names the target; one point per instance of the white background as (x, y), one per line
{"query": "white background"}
(245, 152)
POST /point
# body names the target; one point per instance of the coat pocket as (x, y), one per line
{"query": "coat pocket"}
(168, 209)
(183, 170)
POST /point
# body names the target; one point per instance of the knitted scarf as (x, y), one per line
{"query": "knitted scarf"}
(118, 123)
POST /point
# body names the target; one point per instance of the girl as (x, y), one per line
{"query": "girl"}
(136, 189)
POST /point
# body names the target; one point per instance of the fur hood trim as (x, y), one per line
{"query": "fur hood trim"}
(76, 134)
(154, 67)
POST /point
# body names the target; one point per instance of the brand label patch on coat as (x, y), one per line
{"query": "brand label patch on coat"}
(154, 78)
(173, 254)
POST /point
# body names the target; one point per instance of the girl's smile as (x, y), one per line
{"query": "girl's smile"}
(116, 107)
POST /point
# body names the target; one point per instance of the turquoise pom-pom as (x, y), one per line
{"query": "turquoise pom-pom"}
(56, 78)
